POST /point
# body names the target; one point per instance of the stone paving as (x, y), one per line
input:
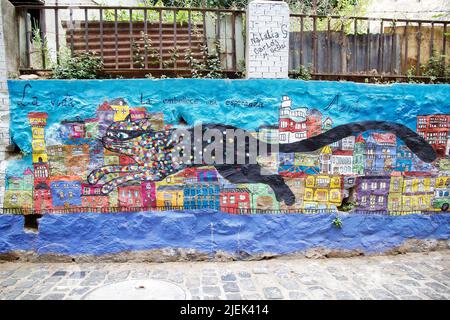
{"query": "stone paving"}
(409, 276)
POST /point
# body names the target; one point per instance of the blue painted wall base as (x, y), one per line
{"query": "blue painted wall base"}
(210, 231)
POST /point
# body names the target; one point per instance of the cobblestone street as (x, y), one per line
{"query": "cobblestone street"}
(409, 276)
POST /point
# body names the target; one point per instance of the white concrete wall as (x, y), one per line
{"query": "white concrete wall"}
(4, 110)
(409, 9)
(267, 48)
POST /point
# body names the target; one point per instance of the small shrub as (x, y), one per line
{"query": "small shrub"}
(86, 65)
(302, 73)
(337, 222)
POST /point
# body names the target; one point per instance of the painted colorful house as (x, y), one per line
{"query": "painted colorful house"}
(42, 197)
(395, 192)
(169, 195)
(359, 155)
(435, 129)
(292, 125)
(372, 192)
(262, 196)
(441, 198)
(92, 197)
(137, 113)
(77, 159)
(65, 191)
(235, 200)
(105, 115)
(130, 195)
(418, 191)
(381, 153)
(404, 159)
(322, 191)
(19, 191)
(38, 121)
(342, 162)
(197, 196)
(73, 129)
(57, 160)
(148, 194)
(121, 108)
(325, 160)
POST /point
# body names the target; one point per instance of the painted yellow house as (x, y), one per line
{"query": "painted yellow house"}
(38, 121)
(395, 192)
(169, 195)
(418, 191)
(121, 112)
(322, 191)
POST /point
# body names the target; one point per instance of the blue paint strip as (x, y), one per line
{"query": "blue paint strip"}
(209, 231)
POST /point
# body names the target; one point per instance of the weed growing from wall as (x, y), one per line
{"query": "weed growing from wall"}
(85, 65)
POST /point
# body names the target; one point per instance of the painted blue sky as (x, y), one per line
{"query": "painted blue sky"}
(246, 104)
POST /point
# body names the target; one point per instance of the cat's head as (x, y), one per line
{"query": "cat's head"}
(122, 135)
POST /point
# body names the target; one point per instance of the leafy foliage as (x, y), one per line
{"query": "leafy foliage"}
(302, 73)
(337, 222)
(86, 65)
(140, 51)
(209, 66)
(435, 68)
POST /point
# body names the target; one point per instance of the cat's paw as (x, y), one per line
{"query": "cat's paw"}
(289, 199)
(107, 188)
(95, 176)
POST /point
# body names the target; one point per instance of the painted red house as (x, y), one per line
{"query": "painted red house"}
(138, 113)
(292, 122)
(42, 197)
(234, 200)
(130, 196)
(435, 129)
(313, 123)
(148, 194)
(92, 197)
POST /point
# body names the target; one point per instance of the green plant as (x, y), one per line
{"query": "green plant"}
(435, 68)
(86, 65)
(40, 45)
(140, 52)
(337, 222)
(209, 66)
(302, 73)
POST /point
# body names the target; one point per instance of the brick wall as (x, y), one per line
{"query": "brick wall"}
(267, 39)
(4, 111)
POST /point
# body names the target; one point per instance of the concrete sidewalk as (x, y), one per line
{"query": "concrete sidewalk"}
(408, 276)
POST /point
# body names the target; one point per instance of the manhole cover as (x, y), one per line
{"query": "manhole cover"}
(137, 290)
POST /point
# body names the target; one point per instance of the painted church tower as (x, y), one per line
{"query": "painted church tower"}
(359, 155)
(41, 194)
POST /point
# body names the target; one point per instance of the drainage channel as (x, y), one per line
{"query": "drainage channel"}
(148, 289)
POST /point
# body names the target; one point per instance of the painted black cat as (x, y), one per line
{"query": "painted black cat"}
(152, 152)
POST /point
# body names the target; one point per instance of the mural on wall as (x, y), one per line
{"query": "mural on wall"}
(115, 153)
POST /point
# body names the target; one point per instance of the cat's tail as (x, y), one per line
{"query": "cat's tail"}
(421, 148)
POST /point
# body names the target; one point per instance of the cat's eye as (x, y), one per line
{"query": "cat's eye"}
(122, 135)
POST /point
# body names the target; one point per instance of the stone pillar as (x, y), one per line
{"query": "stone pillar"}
(267, 47)
(4, 110)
